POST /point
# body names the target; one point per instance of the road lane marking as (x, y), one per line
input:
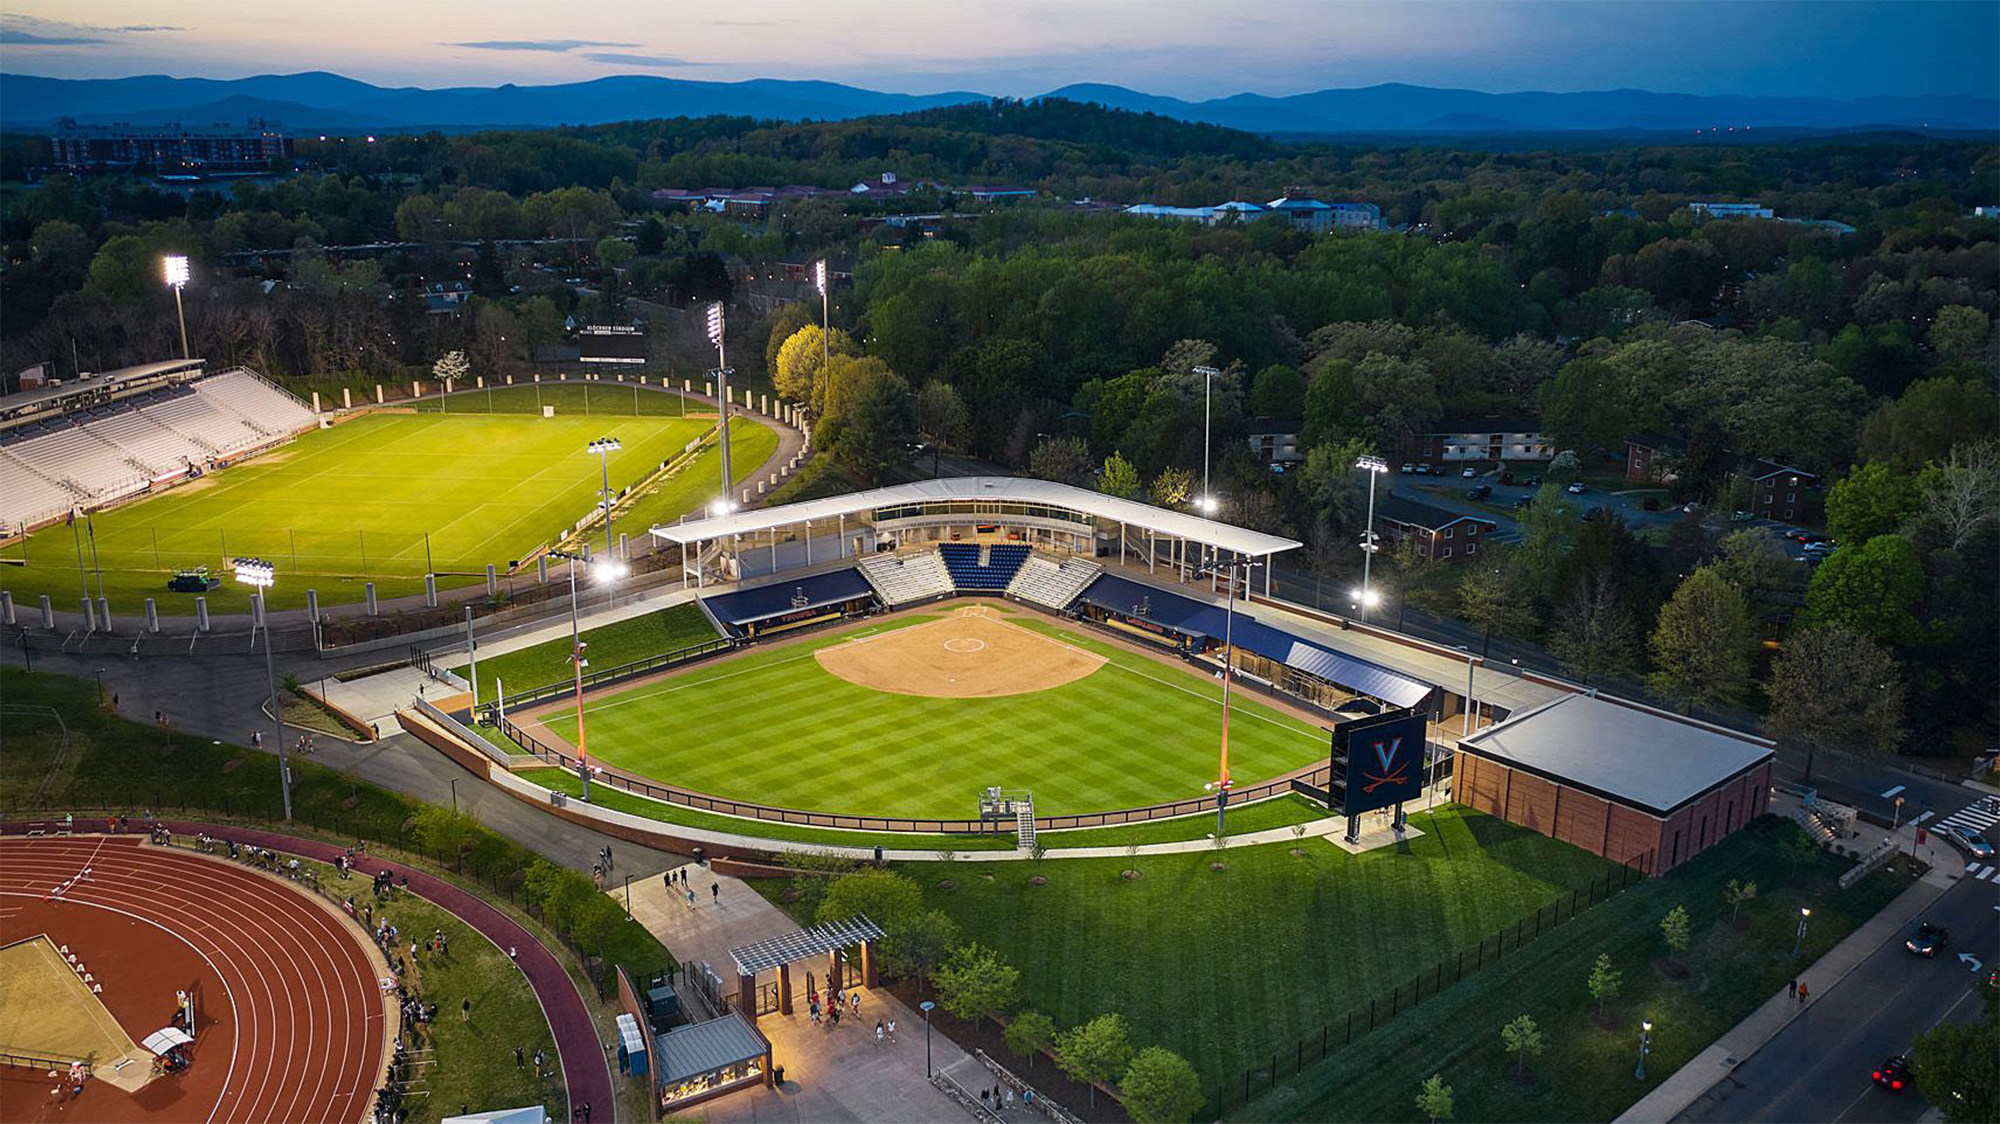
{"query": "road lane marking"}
(1893, 791)
(1922, 818)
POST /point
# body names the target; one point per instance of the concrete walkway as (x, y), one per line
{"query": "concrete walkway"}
(832, 1073)
(1687, 1084)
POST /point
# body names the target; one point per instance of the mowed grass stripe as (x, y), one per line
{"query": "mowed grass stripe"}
(775, 728)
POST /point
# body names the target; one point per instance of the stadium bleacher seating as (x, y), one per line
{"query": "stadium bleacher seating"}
(1052, 584)
(982, 566)
(900, 580)
(117, 449)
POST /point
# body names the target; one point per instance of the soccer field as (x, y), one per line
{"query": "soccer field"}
(384, 497)
(776, 727)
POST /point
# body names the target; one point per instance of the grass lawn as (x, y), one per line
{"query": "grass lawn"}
(634, 638)
(1586, 1073)
(342, 505)
(1224, 967)
(475, 1060)
(773, 727)
(569, 397)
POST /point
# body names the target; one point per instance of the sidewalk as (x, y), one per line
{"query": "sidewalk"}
(1674, 1095)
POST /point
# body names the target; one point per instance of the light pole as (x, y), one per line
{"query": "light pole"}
(1645, 1047)
(1799, 944)
(1220, 786)
(927, 1005)
(175, 266)
(261, 575)
(1374, 466)
(825, 319)
(578, 662)
(1897, 824)
(613, 567)
(715, 333)
(1207, 502)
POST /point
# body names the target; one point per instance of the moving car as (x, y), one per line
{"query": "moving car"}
(1576, 488)
(1894, 1074)
(1971, 843)
(1928, 940)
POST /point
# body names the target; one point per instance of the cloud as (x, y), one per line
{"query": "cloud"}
(641, 60)
(557, 45)
(18, 37)
(30, 31)
(148, 27)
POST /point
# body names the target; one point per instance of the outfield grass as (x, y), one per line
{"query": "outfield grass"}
(774, 728)
(611, 645)
(343, 505)
(1586, 1072)
(571, 396)
(1224, 966)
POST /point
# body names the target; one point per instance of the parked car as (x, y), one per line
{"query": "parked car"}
(1928, 940)
(1523, 501)
(1506, 477)
(1817, 549)
(1532, 482)
(1740, 517)
(1423, 470)
(1479, 493)
(1408, 468)
(1811, 539)
(1971, 843)
(1469, 472)
(1692, 507)
(1576, 488)
(1894, 1074)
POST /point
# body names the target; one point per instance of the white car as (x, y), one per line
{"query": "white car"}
(1575, 489)
(1469, 472)
(1973, 844)
(1408, 468)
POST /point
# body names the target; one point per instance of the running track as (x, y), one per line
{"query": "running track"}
(585, 1071)
(291, 1021)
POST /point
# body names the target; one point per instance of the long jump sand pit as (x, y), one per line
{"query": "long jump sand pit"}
(972, 653)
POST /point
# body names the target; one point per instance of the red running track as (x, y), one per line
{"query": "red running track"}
(290, 1023)
(586, 1073)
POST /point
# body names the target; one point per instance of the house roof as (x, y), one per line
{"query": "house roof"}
(1764, 470)
(1300, 203)
(1649, 439)
(1517, 424)
(1416, 513)
(988, 489)
(1622, 751)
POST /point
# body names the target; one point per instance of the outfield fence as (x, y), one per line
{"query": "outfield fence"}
(1449, 969)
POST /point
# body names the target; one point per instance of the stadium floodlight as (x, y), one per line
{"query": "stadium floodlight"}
(261, 575)
(1207, 504)
(1374, 466)
(715, 336)
(1220, 786)
(577, 561)
(604, 447)
(719, 508)
(715, 323)
(175, 269)
(1367, 597)
(1207, 385)
(825, 318)
(819, 276)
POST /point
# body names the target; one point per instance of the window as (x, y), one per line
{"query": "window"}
(1448, 531)
(1471, 529)
(1471, 549)
(1446, 554)
(1791, 497)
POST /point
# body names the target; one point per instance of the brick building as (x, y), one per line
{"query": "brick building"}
(1784, 493)
(1621, 780)
(1441, 536)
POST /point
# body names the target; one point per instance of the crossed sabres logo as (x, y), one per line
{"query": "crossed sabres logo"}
(1386, 752)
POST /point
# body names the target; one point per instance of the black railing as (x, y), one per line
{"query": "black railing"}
(612, 674)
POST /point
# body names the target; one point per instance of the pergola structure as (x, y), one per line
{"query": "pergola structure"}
(1042, 513)
(830, 939)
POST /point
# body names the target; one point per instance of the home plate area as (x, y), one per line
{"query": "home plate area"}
(973, 653)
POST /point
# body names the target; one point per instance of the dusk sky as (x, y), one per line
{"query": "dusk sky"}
(1025, 47)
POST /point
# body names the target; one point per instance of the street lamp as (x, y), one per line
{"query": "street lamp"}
(1220, 786)
(176, 268)
(261, 575)
(1207, 502)
(927, 1005)
(1798, 945)
(1645, 1047)
(715, 333)
(604, 447)
(1374, 466)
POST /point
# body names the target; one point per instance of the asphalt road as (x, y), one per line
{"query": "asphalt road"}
(1818, 1068)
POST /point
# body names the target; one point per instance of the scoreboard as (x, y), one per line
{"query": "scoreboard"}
(1378, 760)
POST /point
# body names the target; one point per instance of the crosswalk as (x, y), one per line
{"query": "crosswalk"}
(1977, 817)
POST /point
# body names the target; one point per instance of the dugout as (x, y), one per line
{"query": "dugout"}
(783, 605)
(1636, 785)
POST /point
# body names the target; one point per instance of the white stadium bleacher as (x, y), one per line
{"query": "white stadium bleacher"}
(1053, 584)
(266, 408)
(26, 496)
(903, 579)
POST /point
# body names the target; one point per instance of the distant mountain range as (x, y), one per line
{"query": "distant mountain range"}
(320, 101)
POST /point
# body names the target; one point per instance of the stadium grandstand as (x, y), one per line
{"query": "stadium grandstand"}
(92, 441)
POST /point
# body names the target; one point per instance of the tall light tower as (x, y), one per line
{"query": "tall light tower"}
(261, 575)
(825, 319)
(175, 267)
(608, 570)
(715, 326)
(1374, 466)
(1220, 786)
(604, 447)
(1207, 503)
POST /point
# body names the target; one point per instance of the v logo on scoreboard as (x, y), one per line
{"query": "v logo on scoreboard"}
(1386, 752)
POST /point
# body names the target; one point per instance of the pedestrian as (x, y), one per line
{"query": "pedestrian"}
(513, 954)
(715, 890)
(881, 1032)
(983, 1094)
(892, 1032)
(1793, 988)
(520, 1058)
(586, 1112)
(1010, 1100)
(465, 1010)
(1027, 1098)
(690, 899)
(1802, 991)
(540, 1061)
(854, 1003)
(668, 880)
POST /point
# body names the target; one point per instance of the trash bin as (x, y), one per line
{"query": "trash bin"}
(778, 1074)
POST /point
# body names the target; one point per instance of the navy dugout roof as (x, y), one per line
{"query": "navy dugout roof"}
(747, 606)
(1199, 618)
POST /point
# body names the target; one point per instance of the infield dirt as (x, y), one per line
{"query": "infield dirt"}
(972, 653)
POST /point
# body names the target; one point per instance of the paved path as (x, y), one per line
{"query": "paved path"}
(832, 1073)
(1688, 1084)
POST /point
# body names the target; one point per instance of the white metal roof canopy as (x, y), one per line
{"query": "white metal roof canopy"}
(988, 489)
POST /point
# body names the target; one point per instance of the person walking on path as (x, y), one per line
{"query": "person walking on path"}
(1802, 991)
(541, 1060)
(520, 1058)
(854, 1003)
(881, 1032)
(892, 1032)
(465, 1010)
(1793, 988)
(715, 891)
(690, 899)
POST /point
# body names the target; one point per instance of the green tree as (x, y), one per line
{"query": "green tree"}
(1329, 404)
(1173, 487)
(1593, 633)
(445, 832)
(1434, 1099)
(1875, 499)
(1584, 405)
(1099, 1050)
(974, 982)
(1797, 847)
(917, 944)
(876, 430)
(541, 326)
(1160, 1087)
(614, 253)
(942, 418)
(1872, 588)
(1834, 689)
(1702, 643)
(1491, 600)
(799, 374)
(1933, 417)
(1735, 893)
(1277, 392)
(1118, 477)
(1062, 459)
(883, 896)
(1523, 1039)
(1674, 930)
(1958, 1064)
(1604, 982)
(1959, 334)
(1029, 1034)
